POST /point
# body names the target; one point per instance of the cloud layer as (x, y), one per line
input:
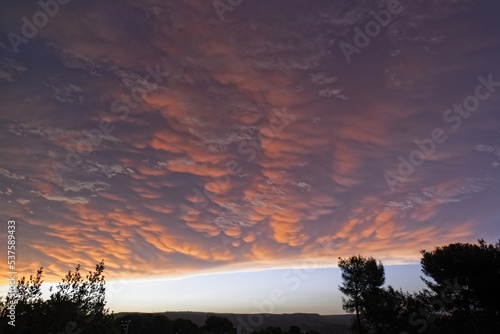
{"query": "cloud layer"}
(168, 142)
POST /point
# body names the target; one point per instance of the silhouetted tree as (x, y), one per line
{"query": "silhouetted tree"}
(219, 325)
(387, 311)
(294, 330)
(78, 305)
(82, 301)
(158, 323)
(465, 285)
(184, 326)
(361, 276)
(29, 307)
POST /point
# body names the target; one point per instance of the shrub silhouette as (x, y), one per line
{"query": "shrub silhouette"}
(77, 305)
(219, 325)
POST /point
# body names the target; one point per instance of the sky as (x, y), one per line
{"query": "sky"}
(218, 154)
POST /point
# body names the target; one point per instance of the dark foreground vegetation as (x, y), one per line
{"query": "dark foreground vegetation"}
(248, 323)
(214, 324)
(462, 296)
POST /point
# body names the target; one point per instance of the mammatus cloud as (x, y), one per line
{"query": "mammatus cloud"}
(171, 143)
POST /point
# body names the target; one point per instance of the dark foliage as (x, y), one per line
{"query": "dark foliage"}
(464, 286)
(461, 297)
(361, 277)
(77, 305)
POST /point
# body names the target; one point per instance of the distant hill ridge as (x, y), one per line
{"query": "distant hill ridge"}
(324, 324)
